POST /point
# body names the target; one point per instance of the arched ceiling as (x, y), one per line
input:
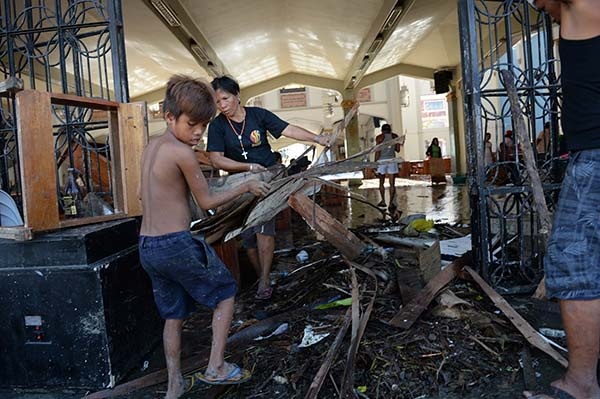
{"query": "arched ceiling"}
(266, 44)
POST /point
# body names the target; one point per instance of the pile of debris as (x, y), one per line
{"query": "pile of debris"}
(379, 319)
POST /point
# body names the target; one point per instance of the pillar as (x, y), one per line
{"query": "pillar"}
(352, 132)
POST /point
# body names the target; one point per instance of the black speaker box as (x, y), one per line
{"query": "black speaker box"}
(77, 308)
(442, 80)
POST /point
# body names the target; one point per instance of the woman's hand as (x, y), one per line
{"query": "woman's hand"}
(323, 140)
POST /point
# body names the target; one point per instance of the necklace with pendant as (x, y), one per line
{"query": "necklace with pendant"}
(239, 136)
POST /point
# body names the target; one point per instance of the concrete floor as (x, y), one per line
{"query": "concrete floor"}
(442, 203)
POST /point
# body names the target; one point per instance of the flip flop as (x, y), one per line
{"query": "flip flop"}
(237, 375)
(264, 294)
(381, 204)
(553, 392)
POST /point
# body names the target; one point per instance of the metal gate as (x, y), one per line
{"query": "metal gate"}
(65, 46)
(495, 36)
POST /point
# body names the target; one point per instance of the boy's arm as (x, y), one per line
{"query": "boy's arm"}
(198, 185)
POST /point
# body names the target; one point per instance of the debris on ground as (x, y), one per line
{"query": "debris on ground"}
(383, 319)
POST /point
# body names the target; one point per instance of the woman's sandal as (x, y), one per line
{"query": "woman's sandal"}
(264, 294)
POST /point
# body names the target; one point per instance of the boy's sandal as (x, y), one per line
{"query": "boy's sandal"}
(552, 392)
(237, 375)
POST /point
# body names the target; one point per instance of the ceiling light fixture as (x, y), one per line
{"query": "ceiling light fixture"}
(392, 18)
(200, 52)
(168, 15)
(375, 45)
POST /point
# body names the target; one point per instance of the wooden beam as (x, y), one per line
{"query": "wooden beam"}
(38, 166)
(133, 137)
(530, 334)
(339, 236)
(87, 102)
(407, 316)
(11, 85)
(16, 233)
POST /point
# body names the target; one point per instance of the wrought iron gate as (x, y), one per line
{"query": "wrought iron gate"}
(495, 36)
(65, 46)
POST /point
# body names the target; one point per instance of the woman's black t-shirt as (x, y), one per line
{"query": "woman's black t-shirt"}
(222, 138)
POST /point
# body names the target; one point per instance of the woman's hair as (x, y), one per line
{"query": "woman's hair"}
(227, 84)
(193, 97)
(435, 141)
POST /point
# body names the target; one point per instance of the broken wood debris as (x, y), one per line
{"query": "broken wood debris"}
(433, 355)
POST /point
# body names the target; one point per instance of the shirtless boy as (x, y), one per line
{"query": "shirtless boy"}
(185, 270)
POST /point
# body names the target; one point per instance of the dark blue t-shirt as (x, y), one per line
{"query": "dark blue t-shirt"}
(221, 138)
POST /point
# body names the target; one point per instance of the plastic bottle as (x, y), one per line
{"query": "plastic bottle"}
(72, 199)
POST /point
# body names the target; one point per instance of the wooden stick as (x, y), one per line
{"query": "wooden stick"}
(530, 334)
(534, 177)
(407, 316)
(336, 233)
(317, 382)
(358, 330)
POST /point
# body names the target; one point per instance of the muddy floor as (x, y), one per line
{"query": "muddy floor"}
(464, 348)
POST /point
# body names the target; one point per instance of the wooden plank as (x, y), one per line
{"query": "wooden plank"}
(11, 85)
(407, 316)
(91, 220)
(339, 236)
(88, 102)
(116, 155)
(16, 233)
(37, 168)
(545, 219)
(133, 137)
(530, 334)
(187, 365)
(317, 382)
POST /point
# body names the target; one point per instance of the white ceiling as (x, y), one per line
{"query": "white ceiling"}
(260, 40)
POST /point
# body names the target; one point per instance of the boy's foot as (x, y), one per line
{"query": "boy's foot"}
(381, 204)
(228, 374)
(264, 293)
(179, 388)
(550, 393)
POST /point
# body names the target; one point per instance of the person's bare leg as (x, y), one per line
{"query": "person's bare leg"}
(172, 345)
(221, 321)
(581, 320)
(392, 189)
(266, 247)
(382, 188)
(253, 257)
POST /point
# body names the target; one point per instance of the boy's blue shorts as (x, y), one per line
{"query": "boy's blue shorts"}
(572, 261)
(184, 269)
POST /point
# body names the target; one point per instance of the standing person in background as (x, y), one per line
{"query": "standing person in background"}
(388, 166)
(434, 150)
(185, 270)
(489, 154)
(572, 261)
(237, 142)
(542, 142)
